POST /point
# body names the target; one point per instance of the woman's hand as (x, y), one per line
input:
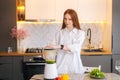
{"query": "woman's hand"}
(51, 46)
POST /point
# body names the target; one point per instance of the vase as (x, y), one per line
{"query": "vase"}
(19, 47)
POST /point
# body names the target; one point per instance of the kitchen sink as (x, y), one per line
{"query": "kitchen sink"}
(93, 50)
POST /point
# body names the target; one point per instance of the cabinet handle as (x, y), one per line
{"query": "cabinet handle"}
(35, 64)
(1, 64)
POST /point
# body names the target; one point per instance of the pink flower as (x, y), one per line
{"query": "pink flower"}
(19, 33)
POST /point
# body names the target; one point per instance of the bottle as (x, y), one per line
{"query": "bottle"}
(100, 45)
(9, 49)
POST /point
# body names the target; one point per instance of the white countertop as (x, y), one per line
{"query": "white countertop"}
(108, 76)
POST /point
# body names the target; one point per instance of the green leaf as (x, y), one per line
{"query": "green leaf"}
(96, 73)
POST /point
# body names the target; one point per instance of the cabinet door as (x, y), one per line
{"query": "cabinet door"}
(114, 58)
(17, 68)
(6, 71)
(5, 59)
(11, 68)
(62, 5)
(40, 9)
(7, 21)
(95, 61)
(116, 26)
(5, 68)
(92, 10)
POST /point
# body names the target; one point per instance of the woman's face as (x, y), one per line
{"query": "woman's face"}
(68, 20)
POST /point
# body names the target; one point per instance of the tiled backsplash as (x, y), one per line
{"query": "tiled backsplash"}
(42, 33)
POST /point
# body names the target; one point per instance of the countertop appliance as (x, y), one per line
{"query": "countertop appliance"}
(50, 71)
(34, 50)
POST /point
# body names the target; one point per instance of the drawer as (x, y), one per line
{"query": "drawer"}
(6, 71)
(5, 60)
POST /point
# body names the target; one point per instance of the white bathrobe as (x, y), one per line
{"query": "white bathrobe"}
(69, 61)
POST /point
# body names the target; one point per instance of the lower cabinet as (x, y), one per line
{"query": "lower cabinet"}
(11, 68)
(17, 68)
(6, 71)
(95, 61)
(6, 68)
(114, 58)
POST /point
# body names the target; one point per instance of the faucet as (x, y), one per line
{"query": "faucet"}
(89, 38)
(89, 35)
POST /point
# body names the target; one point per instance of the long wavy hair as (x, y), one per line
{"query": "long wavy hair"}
(74, 18)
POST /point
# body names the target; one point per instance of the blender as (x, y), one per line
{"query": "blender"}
(50, 72)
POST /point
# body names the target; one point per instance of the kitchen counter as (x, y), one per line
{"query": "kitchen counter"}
(36, 54)
(96, 53)
(108, 76)
(19, 54)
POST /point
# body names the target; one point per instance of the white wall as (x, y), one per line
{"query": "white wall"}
(42, 33)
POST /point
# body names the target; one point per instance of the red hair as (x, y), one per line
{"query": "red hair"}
(74, 18)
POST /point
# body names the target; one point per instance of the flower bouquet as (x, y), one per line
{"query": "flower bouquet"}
(19, 34)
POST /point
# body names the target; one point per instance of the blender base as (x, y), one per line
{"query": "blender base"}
(50, 72)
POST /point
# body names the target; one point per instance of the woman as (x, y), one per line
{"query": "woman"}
(68, 41)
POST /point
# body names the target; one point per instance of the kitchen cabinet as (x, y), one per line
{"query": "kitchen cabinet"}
(62, 5)
(5, 71)
(53, 9)
(89, 10)
(40, 9)
(5, 68)
(115, 32)
(7, 21)
(95, 61)
(116, 26)
(11, 68)
(114, 58)
(92, 10)
(17, 68)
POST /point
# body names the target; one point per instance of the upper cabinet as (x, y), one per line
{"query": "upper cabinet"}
(7, 21)
(54, 9)
(40, 9)
(62, 5)
(92, 10)
(116, 27)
